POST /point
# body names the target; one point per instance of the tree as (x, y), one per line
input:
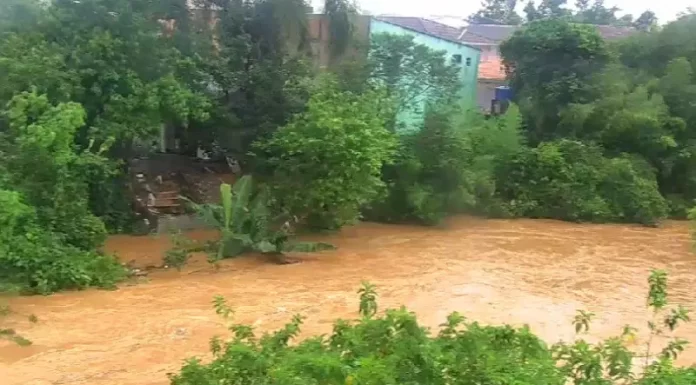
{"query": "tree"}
(326, 161)
(49, 234)
(497, 12)
(531, 12)
(553, 9)
(550, 65)
(340, 14)
(411, 73)
(646, 21)
(257, 71)
(597, 13)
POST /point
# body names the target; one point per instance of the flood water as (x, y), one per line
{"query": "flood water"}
(494, 271)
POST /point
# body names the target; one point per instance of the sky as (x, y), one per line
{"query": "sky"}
(666, 11)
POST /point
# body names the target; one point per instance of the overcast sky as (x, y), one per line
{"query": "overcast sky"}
(666, 10)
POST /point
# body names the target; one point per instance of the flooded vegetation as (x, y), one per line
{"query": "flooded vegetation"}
(532, 272)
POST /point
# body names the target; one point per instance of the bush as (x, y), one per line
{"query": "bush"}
(41, 162)
(49, 237)
(388, 349)
(571, 180)
(394, 349)
(632, 197)
(326, 162)
(554, 180)
(35, 260)
(447, 167)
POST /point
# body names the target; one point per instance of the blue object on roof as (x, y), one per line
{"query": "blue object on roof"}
(503, 93)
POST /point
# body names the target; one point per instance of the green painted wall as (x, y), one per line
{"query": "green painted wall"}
(468, 75)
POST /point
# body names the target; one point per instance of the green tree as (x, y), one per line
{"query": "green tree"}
(112, 58)
(647, 21)
(412, 73)
(326, 162)
(497, 12)
(553, 9)
(49, 234)
(550, 65)
(258, 72)
(571, 180)
(341, 14)
(531, 12)
(448, 167)
(597, 13)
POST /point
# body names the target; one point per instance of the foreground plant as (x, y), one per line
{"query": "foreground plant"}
(247, 224)
(392, 348)
(611, 362)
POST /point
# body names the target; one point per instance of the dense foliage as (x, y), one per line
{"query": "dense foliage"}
(618, 98)
(600, 131)
(48, 233)
(573, 181)
(392, 348)
(411, 74)
(326, 162)
(448, 167)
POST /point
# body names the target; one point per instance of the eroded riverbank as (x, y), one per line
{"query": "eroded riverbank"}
(523, 271)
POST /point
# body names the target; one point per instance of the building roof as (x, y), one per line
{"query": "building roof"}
(495, 34)
(491, 32)
(491, 70)
(426, 27)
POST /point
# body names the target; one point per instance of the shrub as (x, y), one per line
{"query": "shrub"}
(554, 180)
(388, 349)
(38, 261)
(326, 162)
(571, 180)
(447, 167)
(632, 197)
(49, 236)
(43, 164)
(394, 349)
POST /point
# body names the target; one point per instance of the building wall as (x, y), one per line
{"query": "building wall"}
(468, 73)
(486, 92)
(491, 74)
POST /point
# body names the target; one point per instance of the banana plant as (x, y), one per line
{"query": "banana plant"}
(247, 224)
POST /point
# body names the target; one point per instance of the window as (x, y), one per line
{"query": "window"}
(468, 62)
(457, 58)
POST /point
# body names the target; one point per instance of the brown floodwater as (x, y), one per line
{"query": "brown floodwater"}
(495, 271)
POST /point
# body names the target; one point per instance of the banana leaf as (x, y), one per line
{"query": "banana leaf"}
(235, 200)
(233, 244)
(211, 214)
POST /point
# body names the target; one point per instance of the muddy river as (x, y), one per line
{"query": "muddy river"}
(520, 272)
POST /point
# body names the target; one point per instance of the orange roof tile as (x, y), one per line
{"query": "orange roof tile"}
(491, 69)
